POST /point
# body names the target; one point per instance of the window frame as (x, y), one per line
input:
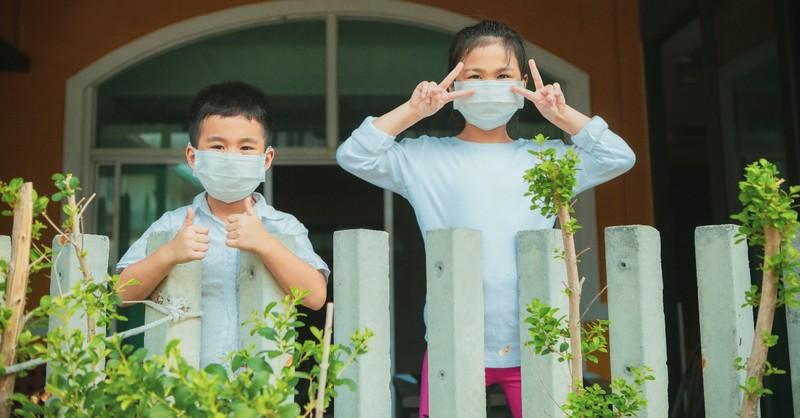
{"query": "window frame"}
(82, 158)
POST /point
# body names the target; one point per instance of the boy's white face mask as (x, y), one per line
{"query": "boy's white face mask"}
(229, 177)
(492, 105)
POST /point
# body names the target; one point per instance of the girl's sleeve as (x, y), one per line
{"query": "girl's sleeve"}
(373, 155)
(603, 154)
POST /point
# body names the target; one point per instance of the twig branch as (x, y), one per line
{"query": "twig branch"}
(323, 367)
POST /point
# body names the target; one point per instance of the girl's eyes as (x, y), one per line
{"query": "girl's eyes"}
(499, 77)
(217, 147)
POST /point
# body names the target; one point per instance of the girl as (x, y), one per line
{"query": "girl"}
(474, 179)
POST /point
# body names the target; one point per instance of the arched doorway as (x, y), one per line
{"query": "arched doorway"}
(325, 65)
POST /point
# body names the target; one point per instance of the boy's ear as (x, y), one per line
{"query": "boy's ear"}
(268, 159)
(190, 156)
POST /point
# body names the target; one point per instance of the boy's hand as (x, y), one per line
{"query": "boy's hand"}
(191, 241)
(245, 230)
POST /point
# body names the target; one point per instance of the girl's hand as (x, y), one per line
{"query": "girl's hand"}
(548, 99)
(429, 97)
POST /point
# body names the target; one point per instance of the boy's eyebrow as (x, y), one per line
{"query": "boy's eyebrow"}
(217, 138)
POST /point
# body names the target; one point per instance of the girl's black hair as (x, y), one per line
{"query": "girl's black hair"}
(232, 98)
(486, 33)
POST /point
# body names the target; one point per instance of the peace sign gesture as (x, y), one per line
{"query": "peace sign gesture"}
(548, 99)
(429, 97)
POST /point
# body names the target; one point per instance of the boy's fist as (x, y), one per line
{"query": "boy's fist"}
(245, 230)
(191, 241)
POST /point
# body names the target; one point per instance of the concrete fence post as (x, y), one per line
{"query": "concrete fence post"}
(257, 289)
(179, 290)
(793, 329)
(726, 328)
(361, 294)
(636, 311)
(66, 271)
(455, 323)
(793, 337)
(545, 380)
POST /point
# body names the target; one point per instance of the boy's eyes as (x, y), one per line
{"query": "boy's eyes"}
(222, 148)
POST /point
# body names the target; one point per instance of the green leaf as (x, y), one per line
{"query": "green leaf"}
(289, 410)
(217, 370)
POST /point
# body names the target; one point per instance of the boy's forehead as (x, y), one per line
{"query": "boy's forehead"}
(238, 128)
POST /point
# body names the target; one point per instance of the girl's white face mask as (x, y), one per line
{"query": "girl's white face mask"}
(229, 177)
(492, 105)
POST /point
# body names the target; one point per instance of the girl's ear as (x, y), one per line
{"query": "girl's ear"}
(525, 79)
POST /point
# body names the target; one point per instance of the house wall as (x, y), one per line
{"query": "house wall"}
(61, 38)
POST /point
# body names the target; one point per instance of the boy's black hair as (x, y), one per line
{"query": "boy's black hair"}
(231, 98)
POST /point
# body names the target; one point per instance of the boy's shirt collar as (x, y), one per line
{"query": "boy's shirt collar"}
(262, 209)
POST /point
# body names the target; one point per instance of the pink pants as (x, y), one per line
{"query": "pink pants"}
(509, 380)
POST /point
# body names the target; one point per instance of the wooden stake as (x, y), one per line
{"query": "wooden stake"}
(764, 320)
(574, 286)
(15, 290)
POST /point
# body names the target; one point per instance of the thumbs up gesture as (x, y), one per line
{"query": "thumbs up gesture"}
(245, 230)
(191, 241)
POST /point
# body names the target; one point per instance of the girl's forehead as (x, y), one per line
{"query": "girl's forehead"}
(494, 54)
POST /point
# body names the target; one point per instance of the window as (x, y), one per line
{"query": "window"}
(141, 127)
(326, 65)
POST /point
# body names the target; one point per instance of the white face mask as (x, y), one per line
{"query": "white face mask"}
(492, 105)
(229, 177)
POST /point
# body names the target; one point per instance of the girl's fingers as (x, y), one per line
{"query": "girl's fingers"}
(450, 96)
(419, 89)
(530, 95)
(537, 78)
(452, 76)
(557, 93)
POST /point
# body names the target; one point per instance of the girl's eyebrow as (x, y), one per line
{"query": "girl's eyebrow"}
(482, 70)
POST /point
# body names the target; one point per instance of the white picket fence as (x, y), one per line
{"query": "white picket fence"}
(455, 315)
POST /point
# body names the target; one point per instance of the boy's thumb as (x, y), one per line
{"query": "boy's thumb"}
(248, 206)
(189, 217)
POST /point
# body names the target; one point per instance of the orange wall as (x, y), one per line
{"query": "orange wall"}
(61, 38)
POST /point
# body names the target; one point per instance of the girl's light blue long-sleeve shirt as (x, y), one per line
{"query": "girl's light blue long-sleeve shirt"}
(452, 183)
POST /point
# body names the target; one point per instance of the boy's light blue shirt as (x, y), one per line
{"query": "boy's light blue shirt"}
(452, 183)
(220, 323)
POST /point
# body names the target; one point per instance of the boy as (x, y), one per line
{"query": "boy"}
(230, 125)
